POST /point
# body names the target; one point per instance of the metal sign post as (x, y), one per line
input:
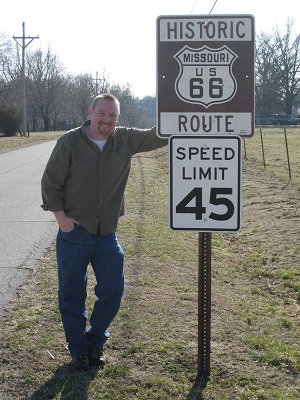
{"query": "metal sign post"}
(204, 304)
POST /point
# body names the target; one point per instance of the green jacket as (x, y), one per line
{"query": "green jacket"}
(88, 184)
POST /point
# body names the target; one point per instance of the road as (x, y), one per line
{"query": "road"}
(26, 230)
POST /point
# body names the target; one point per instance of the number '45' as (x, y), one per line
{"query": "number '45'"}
(214, 199)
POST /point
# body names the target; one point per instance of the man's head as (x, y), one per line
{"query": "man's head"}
(104, 113)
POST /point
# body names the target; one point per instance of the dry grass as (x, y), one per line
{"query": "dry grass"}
(152, 353)
(18, 142)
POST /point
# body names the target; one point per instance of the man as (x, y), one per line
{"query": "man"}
(83, 185)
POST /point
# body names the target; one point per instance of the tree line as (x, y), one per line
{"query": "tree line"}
(59, 100)
(56, 99)
(277, 73)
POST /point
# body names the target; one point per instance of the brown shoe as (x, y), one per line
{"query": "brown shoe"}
(96, 358)
(80, 362)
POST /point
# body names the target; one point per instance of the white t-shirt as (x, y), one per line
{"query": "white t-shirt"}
(99, 143)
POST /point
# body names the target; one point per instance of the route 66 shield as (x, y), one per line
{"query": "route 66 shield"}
(205, 75)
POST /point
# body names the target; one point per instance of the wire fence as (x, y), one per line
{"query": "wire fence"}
(277, 151)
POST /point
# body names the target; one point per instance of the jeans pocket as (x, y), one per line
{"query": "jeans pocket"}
(66, 233)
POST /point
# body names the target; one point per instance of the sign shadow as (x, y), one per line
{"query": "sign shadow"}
(198, 387)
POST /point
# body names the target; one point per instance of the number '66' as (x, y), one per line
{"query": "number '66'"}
(215, 88)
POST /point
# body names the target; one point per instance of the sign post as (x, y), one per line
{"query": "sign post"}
(205, 104)
(204, 304)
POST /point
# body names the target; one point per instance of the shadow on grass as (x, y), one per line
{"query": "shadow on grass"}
(66, 383)
(198, 387)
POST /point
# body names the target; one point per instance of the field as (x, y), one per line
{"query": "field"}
(152, 353)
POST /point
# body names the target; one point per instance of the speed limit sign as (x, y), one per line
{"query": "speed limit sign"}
(205, 183)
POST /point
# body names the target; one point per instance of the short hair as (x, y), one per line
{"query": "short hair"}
(105, 96)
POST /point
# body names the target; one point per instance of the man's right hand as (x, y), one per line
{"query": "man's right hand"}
(65, 223)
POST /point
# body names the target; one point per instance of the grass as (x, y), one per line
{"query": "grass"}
(269, 150)
(152, 353)
(18, 142)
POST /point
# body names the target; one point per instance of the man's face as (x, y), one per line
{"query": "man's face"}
(104, 118)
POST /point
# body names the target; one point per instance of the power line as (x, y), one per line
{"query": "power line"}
(194, 6)
(210, 10)
(213, 6)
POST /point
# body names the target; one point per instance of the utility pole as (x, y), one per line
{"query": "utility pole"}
(98, 80)
(24, 45)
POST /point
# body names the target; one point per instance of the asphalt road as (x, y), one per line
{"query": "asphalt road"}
(25, 229)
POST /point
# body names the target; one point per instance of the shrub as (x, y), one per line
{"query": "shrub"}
(10, 120)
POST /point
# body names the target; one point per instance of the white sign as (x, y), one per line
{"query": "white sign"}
(206, 70)
(205, 183)
(205, 75)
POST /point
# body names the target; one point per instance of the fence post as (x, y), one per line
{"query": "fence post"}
(262, 148)
(287, 154)
(245, 150)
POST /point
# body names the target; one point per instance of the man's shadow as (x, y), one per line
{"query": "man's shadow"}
(70, 384)
(67, 383)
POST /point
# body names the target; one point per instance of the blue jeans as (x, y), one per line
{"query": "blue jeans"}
(75, 250)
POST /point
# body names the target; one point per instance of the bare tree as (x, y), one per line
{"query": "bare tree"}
(10, 87)
(45, 85)
(265, 76)
(10, 60)
(287, 63)
(277, 72)
(81, 93)
(81, 90)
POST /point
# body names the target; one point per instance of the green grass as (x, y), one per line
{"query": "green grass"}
(272, 351)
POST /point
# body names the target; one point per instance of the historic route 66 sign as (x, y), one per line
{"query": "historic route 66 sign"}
(205, 75)
(208, 73)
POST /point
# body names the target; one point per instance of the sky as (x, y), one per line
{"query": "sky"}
(117, 38)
